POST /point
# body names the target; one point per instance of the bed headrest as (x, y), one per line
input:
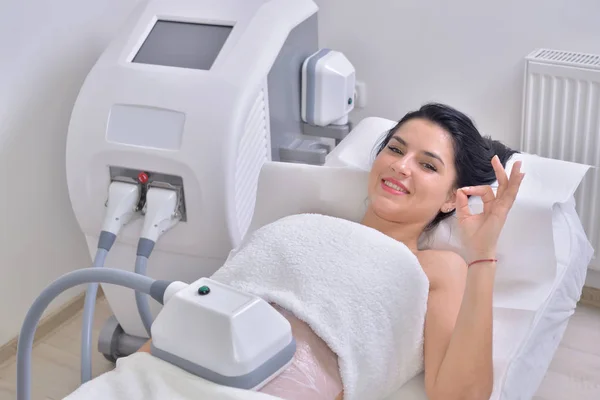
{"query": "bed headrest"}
(527, 253)
(557, 180)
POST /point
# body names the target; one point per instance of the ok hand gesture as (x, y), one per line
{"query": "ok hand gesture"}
(480, 232)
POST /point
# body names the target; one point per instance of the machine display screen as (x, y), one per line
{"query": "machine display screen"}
(183, 44)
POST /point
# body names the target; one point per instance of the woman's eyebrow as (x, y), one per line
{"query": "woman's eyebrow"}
(427, 153)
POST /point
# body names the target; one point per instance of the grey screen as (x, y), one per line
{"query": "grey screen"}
(183, 44)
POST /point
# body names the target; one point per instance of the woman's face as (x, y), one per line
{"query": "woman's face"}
(412, 179)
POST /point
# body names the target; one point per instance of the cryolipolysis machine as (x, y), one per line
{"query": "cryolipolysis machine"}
(172, 126)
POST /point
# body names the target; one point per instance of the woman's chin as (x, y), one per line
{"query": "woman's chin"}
(387, 209)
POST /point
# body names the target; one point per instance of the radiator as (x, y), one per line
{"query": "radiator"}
(561, 120)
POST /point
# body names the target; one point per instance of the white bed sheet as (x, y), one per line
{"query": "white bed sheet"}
(525, 341)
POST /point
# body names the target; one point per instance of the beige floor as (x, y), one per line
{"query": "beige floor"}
(573, 375)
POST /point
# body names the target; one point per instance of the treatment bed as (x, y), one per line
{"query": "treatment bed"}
(543, 257)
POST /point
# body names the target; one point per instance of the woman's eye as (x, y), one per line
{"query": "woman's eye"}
(395, 149)
(430, 167)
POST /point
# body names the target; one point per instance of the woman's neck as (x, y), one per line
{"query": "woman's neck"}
(406, 233)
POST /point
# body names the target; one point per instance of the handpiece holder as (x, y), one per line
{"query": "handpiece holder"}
(328, 93)
(223, 335)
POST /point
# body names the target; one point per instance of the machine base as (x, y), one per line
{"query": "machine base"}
(251, 381)
(114, 343)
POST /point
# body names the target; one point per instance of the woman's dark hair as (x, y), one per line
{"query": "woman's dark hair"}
(472, 151)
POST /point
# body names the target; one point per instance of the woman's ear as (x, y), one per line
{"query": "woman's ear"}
(450, 204)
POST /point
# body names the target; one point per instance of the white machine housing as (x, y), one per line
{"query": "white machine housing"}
(224, 335)
(200, 121)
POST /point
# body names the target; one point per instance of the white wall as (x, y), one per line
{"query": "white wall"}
(46, 50)
(467, 53)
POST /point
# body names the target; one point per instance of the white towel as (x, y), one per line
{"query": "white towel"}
(141, 376)
(362, 292)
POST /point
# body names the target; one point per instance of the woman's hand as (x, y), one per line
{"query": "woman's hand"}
(480, 232)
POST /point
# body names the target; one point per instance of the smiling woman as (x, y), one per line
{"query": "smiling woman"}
(441, 150)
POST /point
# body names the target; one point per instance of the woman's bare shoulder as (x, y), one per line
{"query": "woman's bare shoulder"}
(442, 266)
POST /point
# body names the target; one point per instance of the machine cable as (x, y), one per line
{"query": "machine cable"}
(121, 206)
(88, 312)
(154, 288)
(145, 247)
(161, 215)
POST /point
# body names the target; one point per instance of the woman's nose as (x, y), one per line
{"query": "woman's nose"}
(401, 167)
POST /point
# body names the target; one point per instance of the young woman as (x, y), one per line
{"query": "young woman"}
(425, 169)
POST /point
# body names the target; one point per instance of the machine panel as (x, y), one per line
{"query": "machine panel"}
(148, 127)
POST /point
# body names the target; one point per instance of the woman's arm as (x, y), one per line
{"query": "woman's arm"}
(458, 328)
(464, 368)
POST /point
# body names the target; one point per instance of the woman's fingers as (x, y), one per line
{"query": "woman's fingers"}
(510, 195)
(499, 204)
(507, 187)
(485, 192)
(500, 175)
(462, 205)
